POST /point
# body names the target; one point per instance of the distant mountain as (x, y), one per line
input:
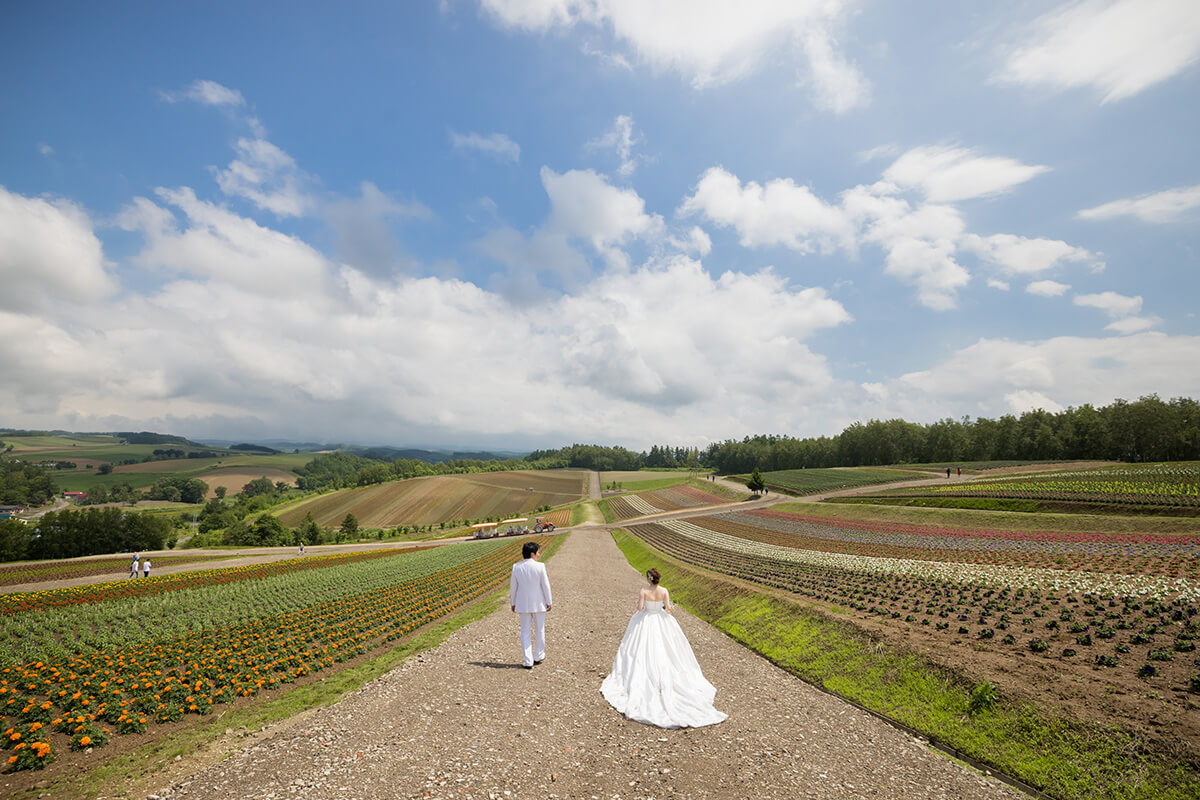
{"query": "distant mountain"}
(377, 452)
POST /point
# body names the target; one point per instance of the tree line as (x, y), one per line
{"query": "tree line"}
(85, 532)
(1147, 429)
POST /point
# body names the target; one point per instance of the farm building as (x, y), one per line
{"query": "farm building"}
(75, 495)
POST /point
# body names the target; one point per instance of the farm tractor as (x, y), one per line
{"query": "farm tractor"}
(542, 526)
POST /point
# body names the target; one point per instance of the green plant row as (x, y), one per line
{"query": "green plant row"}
(1067, 759)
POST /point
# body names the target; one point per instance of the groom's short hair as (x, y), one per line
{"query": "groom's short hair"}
(528, 549)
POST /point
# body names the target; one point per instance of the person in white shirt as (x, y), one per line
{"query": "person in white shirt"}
(146, 568)
(133, 568)
(529, 595)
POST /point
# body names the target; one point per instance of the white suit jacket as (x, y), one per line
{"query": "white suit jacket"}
(529, 587)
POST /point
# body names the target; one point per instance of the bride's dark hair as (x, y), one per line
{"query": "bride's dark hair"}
(653, 575)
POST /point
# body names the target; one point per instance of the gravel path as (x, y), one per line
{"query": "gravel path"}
(464, 720)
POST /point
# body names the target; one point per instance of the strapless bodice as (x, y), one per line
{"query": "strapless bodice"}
(653, 607)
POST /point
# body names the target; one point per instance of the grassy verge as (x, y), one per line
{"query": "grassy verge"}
(579, 514)
(1066, 759)
(143, 761)
(1002, 520)
(606, 510)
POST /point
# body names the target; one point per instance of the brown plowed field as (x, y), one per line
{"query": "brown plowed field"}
(441, 498)
(234, 478)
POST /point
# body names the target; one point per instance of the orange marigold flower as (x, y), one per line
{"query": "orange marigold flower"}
(85, 741)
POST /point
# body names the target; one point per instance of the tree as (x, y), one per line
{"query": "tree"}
(220, 492)
(349, 529)
(309, 531)
(105, 468)
(258, 486)
(755, 484)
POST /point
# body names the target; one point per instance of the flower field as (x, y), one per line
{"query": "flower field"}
(673, 498)
(1159, 485)
(83, 664)
(118, 567)
(1017, 607)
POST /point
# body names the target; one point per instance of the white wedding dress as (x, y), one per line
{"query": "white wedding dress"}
(655, 677)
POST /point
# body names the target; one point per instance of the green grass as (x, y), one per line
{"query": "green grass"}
(807, 481)
(1067, 759)
(998, 520)
(651, 485)
(579, 514)
(151, 757)
(606, 510)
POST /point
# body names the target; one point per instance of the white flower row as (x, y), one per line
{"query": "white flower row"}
(640, 505)
(997, 575)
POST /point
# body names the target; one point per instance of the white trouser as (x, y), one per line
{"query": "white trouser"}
(533, 626)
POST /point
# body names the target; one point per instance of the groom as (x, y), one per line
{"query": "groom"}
(529, 596)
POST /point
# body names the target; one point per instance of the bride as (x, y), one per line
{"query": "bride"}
(655, 678)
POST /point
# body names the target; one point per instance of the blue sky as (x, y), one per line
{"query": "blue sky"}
(524, 223)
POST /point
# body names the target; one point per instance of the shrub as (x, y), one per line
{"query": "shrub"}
(1038, 645)
(983, 698)
(1147, 671)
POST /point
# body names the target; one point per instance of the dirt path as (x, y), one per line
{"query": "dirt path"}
(594, 485)
(465, 721)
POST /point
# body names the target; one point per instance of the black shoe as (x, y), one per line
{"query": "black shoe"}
(538, 661)
(526, 666)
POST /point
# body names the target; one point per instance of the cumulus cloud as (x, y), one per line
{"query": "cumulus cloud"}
(1131, 324)
(495, 145)
(1117, 47)
(1160, 207)
(709, 42)
(998, 284)
(49, 253)
(585, 205)
(1111, 303)
(268, 177)
(696, 242)
(1047, 288)
(949, 174)
(217, 244)
(779, 213)
(1017, 255)
(209, 93)
(998, 376)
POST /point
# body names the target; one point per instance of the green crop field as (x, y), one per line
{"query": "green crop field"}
(804, 481)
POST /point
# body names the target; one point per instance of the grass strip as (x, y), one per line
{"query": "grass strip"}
(132, 766)
(607, 510)
(1066, 759)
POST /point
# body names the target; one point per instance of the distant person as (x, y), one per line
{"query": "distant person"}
(302, 548)
(133, 568)
(146, 568)
(947, 473)
(959, 469)
(529, 595)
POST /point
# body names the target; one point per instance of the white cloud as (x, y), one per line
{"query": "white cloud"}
(268, 177)
(1017, 255)
(949, 174)
(997, 376)
(496, 145)
(209, 93)
(1117, 47)
(1047, 288)
(45, 149)
(709, 42)
(48, 254)
(920, 242)
(1023, 400)
(837, 84)
(1132, 324)
(621, 139)
(880, 151)
(1111, 303)
(697, 242)
(1160, 207)
(585, 205)
(217, 244)
(998, 284)
(779, 213)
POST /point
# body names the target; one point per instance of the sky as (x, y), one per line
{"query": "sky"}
(526, 223)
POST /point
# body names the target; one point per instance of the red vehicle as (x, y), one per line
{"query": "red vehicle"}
(542, 526)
